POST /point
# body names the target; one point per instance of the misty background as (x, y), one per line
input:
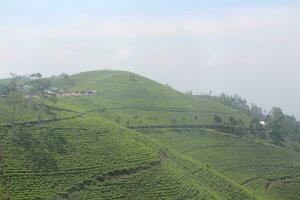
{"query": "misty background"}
(249, 48)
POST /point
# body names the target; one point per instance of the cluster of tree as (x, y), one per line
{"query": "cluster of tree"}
(232, 122)
(234, 101)
(279, 125)
(63, 80)
(189, 92)
(238, 103)
(21, 92)
(282, 126)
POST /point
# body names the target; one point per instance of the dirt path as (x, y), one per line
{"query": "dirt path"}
(285, 179)
(247, 182)
(107, 176)
(35, 122)
(269, 186)
(194, 126)
(215, 146)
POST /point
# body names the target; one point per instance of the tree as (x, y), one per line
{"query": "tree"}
(22, 91)
(256, 112)
(67, 81)
(240, 123)
(281, 127)
(37, 87)
(4, 90)
(63, 76)
(232, 121)
(12, 93)
(234, 102)
(254, 123)
(217, 119)
(276, 120)
(189, 92)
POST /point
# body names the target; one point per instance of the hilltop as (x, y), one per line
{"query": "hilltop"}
(139, 139)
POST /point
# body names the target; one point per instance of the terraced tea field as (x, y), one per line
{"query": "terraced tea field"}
(87, 158)
(51, 161)
(138, 139)
(260, 167)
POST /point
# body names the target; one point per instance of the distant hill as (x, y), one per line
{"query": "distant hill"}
(139, 139)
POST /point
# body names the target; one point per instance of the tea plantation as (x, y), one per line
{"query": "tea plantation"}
(138, 139)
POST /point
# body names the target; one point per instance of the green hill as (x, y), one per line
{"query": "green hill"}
(128, 98)
(70, 159)
(138, 139)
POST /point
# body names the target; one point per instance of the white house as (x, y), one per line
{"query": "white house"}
(263, 123)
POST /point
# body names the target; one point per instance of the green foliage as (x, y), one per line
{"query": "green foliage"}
(86, 151)
(252, 164)
(282, 126)
(282, 129)
(13, 96)
(217, 119)
(240, 104)
(234, 101)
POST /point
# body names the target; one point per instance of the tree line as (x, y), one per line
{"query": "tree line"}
(26, 92)
(279, 125)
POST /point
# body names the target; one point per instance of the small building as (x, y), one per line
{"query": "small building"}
(50, 92)
(65, 92)
(263, 123)
(88, 92)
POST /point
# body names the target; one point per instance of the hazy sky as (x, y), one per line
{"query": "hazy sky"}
(248, 47)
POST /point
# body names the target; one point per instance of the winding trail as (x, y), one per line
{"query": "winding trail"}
(221, 128)
(107, 176)
(214, 146)
(166, 109)
(269, 186)
(35, 122)
(284, 179)
(247, 182)
(260, 165)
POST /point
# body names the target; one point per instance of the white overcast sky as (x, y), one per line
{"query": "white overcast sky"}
(251, 48)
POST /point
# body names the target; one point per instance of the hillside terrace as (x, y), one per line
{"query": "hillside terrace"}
(63, 92)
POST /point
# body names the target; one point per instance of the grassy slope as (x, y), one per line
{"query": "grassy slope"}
(129, 98)
(90, 157)
(252, 164)
(84, 158)
(143, 102)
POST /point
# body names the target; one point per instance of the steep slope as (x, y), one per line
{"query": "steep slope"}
(138, 139)
(269, 171)
(179, 120)
(86, 158)
(131, 99)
